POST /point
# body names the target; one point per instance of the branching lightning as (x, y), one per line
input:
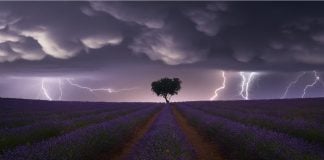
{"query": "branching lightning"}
(46, 93)
(69, 81)
(109, 90)
(292, 83)
(317, 79)
(45, 90)
(251, 76)
(245, 85)
(242, 84)
(246, 82)
(220, 88)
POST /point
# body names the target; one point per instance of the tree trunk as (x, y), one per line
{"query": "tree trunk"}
(166, 99)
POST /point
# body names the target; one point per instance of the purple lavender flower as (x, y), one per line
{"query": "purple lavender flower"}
(311, 131)
(250, 142)
(164, 141)
(84, 143)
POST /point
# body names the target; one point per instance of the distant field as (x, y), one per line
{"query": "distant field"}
(268, 129)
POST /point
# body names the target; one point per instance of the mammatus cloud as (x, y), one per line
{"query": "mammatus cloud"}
(51, 45)
(249, 36)
(301, 42)
(6, 18)
(6, 53)
(99, 41)
(158, 45)
(29, 36)
(159, 40)
(28, 49)
(208, 20)
(7, 36)
(87, 10)
(150, 15)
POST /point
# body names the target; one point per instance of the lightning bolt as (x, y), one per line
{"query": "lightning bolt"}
(220, 88)
(242, 84)
(317, 79)
(69, 81)
(109, 90)
(61, 90)
(45, 91)
(245, 85)
(292, 83)
(251, 76)
(47, 95)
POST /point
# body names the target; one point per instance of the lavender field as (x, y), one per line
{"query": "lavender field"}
(272, 129)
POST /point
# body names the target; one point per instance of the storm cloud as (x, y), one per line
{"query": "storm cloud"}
(130, 44)
(44, 29)
(221, 35)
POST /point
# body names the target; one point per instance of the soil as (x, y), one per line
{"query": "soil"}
(138, 134)
(204, 150)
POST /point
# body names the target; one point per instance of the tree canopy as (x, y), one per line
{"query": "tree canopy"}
(166, 87)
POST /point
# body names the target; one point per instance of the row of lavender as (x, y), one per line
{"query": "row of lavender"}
(248, 141)
(23, 108)
(54, 127)
(17, 114)
(88, 142)
(310, 131)
(310, 110)
(163, 141)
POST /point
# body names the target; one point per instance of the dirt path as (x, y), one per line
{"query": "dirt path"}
(204, 150)
(138, 134)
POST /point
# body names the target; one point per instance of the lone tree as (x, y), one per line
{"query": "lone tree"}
(166, 87)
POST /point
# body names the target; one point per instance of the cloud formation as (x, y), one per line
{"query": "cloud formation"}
(208, 20)
(33, 35)
(224, 35)
(147, 14)
(99, 41)
(158, 45)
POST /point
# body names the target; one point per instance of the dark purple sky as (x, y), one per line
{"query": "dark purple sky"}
(112, 51)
